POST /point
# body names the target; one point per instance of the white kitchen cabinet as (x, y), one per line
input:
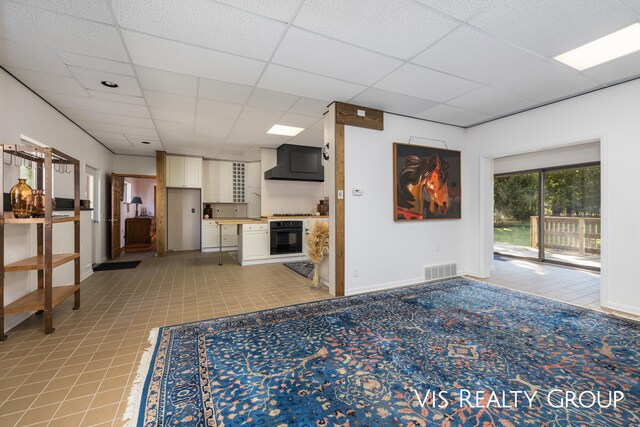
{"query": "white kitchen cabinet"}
(229, 235)
(184, 172)
(253, 190)
(210, 181)
(209, 234)
(306, 228)
(225, 182)
(254, 243)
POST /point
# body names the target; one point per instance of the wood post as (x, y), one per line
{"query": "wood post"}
(161, 245)
(48, 243)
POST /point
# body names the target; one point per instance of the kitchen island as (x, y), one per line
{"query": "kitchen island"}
(237, 222)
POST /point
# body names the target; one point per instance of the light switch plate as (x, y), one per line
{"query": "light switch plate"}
(340, 194)
(361, 113)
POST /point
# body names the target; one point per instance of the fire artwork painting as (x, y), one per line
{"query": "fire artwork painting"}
(426, 182)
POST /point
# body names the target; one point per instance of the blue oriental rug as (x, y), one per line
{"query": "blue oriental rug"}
(452, 353)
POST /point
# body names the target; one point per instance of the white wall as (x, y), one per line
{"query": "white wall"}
(22, 112)
(610, 116)
(563, 156)
(134, 165)
(387, 253)
(286, 196)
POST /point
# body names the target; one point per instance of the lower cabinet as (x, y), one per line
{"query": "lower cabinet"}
(254, 242)
(211, 235)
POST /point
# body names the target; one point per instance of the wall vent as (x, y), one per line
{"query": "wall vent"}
(442, 271)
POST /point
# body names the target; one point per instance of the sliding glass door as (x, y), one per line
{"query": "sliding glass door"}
(570, 226)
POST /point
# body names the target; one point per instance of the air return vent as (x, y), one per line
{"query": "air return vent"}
(442, 271)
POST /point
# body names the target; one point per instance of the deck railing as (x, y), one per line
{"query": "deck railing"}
(568, 234)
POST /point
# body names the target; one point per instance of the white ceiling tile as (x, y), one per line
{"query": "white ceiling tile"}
(170, 101)
(223, 91)
(203, 23)
(310, 107)
(164, 126)
(165, 81)
(91, 79)
(98, 64)
(424, 83)
(137, 100)
(459, 9)
(252, 137)
(219, 109)
(282, 79)
(22, 55)
(400, 28)
(95, 10)
(444, 113)
(98, 105)
(546, 81)
(634, 4)
(102, 135)
(257, 119)
(392, 102)
(271, 100)
(173, 115)
(137, 140)
(282, 10)
(298, 120)
(49, 82)
(492, 102)
(112, 119)
(617, 70)
(311, 52)
(115, 142)
(218, 127)
(474, 55)
(134, 151)
(168, 55)
(92, 126)
(44, 28)
(551, 27)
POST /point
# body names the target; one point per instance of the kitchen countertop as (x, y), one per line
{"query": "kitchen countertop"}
(284, 218)
(238, 221)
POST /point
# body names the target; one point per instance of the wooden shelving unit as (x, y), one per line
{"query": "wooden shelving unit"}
(46, 297)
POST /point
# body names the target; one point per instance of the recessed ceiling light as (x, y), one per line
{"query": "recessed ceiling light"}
(607, 48)
(145, 142)
(107, 83)
(285, 130)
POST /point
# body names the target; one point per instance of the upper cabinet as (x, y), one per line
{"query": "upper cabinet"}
(210, 183)
(184, 172)
(224, 182)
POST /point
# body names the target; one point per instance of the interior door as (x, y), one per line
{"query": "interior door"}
(117, 187)
(184, 219)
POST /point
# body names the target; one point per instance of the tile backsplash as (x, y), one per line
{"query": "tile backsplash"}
(228, 210)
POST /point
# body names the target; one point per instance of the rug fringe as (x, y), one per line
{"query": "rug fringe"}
(135, 396)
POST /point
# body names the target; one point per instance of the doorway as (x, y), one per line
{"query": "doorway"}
(92, 193)
(184, 219)
(549, 215)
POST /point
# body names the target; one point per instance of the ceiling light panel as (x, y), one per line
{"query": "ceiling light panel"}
(607, 48)
(550, 27)
(399, 26)
(166, 81)
(305, 84)
(95, 10)
(182, 58)
(190, 21)
(43, 28)
(285, 130)
(424, 83)
(98, 64)
(317, 54)
(282, 10)
(22, 55)
(474, 55)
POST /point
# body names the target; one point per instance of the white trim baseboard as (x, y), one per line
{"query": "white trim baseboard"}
(621, 308)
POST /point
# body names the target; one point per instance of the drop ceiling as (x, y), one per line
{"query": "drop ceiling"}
(211, 77)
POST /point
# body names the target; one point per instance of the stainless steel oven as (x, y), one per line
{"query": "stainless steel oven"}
(286, 237)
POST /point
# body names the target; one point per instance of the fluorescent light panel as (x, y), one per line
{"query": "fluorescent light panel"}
(285, 130)
(607, 48)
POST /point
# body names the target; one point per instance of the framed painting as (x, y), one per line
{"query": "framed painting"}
(426, 183)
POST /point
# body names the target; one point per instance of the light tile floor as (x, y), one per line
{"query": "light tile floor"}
(82, 373)
(573, 286)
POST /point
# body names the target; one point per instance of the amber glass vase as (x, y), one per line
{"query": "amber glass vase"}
(38, 204)
(21, 199)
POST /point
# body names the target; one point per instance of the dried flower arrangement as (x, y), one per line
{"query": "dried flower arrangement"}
(318, 246)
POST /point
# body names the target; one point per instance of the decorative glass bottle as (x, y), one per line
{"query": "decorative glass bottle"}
(21, 196)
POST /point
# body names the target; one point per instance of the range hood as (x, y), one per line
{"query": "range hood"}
(297, 163)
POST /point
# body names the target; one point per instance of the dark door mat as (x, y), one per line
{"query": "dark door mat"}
(302, 268)
(106, 266)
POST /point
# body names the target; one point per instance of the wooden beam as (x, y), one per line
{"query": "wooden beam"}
(355, 115)
(161, 191)
(339, 201)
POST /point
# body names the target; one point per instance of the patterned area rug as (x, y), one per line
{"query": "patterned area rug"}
(304, 269)
(493, 357)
